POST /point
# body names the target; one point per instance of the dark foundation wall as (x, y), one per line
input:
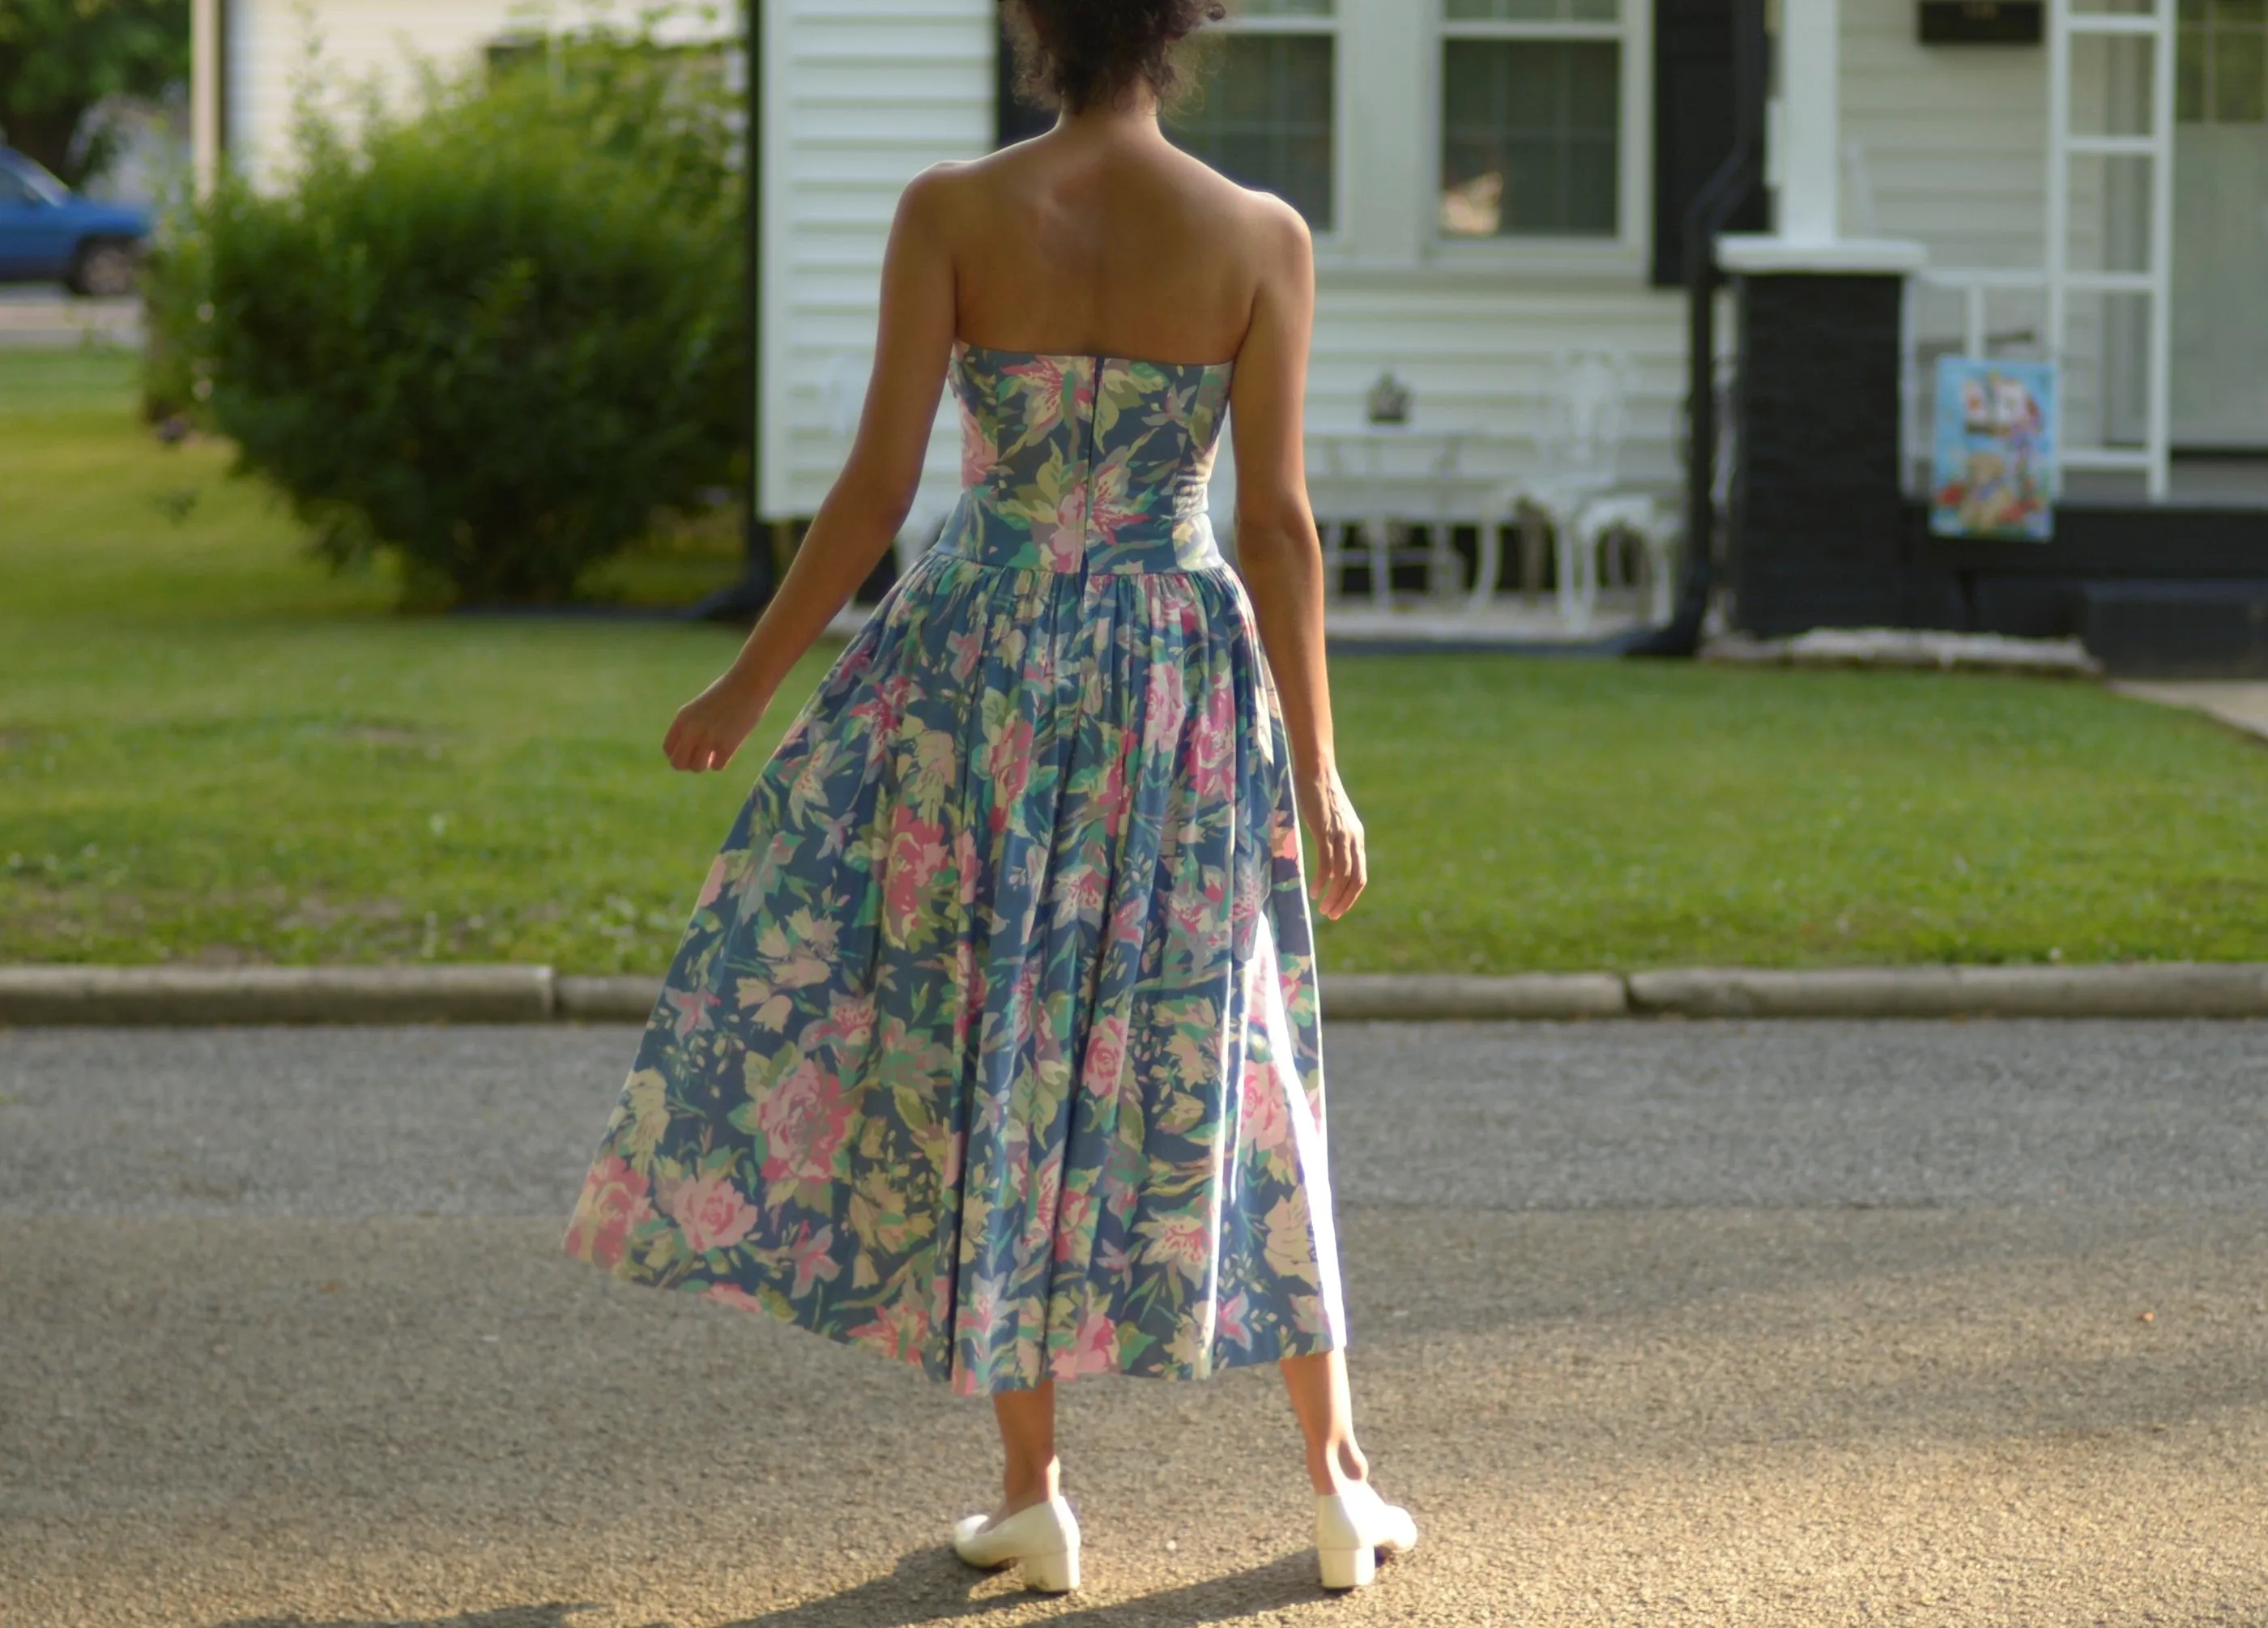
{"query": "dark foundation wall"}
(2166, 591)
(1822, 536)
(1818, 526)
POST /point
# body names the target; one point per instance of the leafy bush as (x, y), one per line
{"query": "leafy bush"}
(493, 335)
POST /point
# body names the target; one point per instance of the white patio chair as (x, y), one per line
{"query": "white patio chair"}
(1371, 488)
(1579, 455)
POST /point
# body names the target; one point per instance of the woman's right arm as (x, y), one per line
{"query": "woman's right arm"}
(1277, 551)
(869, 500)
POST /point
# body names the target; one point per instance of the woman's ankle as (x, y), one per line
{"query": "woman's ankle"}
(1021, 1489)
(1336, 1470)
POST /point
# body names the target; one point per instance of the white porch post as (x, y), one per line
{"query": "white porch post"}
(1808, 207)
(204, 93)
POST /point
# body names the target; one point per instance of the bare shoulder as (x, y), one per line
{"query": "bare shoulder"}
(933, 195)
(1277, 234)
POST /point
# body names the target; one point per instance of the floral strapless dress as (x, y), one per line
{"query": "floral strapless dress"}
(992, 1043)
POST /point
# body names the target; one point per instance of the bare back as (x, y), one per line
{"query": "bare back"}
(1126, 249)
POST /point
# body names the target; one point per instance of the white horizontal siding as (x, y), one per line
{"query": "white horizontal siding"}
(331, 47)
(861, 96)
(874, 91)
(1951, 148)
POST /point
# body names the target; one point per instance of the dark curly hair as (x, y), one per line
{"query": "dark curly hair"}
(1076, 54)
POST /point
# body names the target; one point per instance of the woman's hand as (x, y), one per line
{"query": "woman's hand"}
(710, 728)
(1341, 866)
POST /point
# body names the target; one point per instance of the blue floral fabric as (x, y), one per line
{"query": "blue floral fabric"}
(992, 1043)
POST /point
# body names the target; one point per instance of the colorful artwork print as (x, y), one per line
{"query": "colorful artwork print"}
(1994, 475)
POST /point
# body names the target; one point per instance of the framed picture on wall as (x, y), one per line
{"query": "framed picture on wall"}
(1994, 472)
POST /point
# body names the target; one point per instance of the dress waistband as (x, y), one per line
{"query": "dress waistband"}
(1015, 532)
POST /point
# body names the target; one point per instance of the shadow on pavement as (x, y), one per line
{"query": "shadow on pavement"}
(554, 1614)
(934, 1585)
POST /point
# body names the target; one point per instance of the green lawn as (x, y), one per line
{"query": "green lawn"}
(209, 749)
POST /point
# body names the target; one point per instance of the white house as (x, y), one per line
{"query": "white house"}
(1493, 181)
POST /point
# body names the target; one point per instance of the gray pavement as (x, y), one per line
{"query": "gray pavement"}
(1775, 1323)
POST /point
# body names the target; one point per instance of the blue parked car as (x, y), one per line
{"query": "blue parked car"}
(49, 233)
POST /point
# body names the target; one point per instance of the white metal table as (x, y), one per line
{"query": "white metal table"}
(1375, 476)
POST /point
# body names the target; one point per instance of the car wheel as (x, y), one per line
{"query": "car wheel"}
(106, 269)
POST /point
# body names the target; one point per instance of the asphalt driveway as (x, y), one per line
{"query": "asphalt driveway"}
(1724, 1323)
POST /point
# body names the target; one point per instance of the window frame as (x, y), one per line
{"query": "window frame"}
(1627, 247)
(1331, 26)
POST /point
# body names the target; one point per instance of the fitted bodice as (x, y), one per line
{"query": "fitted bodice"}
(1085, 463)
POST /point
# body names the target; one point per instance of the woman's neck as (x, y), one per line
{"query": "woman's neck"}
(1130, 117)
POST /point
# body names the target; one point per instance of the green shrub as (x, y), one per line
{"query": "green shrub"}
(493, 335)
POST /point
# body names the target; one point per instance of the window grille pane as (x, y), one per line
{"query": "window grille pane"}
(1530, 136)
(2189, 75)
(1262, 115)
(1532, 11)
(2240, 76)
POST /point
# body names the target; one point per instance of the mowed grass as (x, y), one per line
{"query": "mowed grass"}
(211, 749)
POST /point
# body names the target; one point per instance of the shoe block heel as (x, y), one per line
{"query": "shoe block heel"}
(1054, 1573)
(1349, 1568)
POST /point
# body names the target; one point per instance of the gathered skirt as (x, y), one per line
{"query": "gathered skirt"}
(992, 1043)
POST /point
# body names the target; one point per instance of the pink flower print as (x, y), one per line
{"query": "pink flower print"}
(1212, 744)
(885, 707)
(917, 853)
(1092, 1349)
(963, 648)
(709, 1210)
(1110, 799)
(1263, 1119)
(965, 864)
(1040, 1218)
(968, 986)
(1050, 388)
(730, 1294)
(1008, 762)
(1232, 1325)
(1063, 547)
(804, 1119)
(1105, 1056)
(1079, 894)
(847, 1026)
(1164, 707)
(981, 1308)
(980, 448)
(714, 884)
(1285, 837)
(1114, 1257)
(1114, 507)
(692, 1010)
(896, 1330)
(1182, 1240)
(810, 1256)
(612, 1206)
(1072, 1219)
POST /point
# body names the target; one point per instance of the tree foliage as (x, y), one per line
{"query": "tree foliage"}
(492, 335)
(58, 58)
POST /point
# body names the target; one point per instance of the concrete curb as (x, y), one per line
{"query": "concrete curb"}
(2141, 989)
(66, 995)
(1389, 995)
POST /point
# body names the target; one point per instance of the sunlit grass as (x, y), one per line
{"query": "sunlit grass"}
(211, 748)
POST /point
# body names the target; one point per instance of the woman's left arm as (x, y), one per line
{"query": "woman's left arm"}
(869, 500)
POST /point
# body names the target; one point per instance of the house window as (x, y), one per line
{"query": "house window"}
(1532, 118)
(2222, 69)
(1264, 109)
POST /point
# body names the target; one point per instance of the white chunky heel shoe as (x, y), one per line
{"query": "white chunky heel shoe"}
(1352, 1527)
(1044, 1537)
